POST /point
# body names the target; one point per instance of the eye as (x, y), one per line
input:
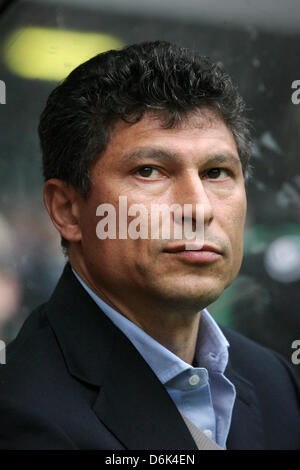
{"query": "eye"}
(217, 173)
(148, 172)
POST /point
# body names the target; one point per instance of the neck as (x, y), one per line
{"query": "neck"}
(172, 327)
(174, 331)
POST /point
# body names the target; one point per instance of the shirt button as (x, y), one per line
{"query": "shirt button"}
(208, 433)
(194, 379)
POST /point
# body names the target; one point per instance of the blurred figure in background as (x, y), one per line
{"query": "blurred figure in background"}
(10, 286)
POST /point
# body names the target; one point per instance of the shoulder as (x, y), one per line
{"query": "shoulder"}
(268, 395)
(31, 382)
(34, 346)
(35, 368)
(260, 365)
(245, 350)
(33, 359)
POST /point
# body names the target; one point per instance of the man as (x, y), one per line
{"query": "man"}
(125, 355)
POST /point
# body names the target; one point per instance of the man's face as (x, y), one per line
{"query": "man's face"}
(197, 163)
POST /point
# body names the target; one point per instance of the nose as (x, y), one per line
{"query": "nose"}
(192, 191)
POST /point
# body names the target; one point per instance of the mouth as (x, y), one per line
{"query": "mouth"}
(205, 255)
(182, 248)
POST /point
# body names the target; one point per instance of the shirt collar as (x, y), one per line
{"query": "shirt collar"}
(211, 349)
(212, 345)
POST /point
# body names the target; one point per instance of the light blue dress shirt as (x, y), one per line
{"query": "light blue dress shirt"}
(202, 393)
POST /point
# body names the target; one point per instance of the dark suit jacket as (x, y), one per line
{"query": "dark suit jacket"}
(74, 381)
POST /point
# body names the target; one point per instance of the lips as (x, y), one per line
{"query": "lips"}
(182, 248)
(206, 255)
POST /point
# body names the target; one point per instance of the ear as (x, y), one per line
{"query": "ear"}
(61, 202)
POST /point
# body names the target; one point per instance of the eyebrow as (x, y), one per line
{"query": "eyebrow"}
(163, 155)
(153, 153)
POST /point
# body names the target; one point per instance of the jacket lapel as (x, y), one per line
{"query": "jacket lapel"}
(134, 405)
(246, 431)
(131, 401)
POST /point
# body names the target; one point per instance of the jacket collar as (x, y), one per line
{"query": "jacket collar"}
(84, 335)
(246, 430)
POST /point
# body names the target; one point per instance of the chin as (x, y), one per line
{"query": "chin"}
(196, 297)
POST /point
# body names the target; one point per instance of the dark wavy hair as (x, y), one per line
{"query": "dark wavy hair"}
(124, 84)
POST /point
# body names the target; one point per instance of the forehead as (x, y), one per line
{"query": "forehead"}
(198, 133)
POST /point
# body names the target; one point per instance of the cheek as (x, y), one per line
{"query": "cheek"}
(232, 216)
(238, 218)
(88, 223)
